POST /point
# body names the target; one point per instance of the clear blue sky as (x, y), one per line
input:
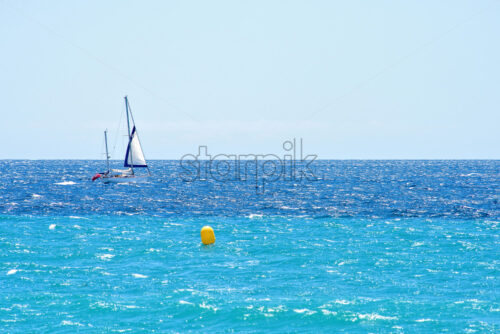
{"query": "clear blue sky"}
(354, 79)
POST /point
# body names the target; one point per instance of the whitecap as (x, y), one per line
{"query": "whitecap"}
(279, 308)
(304, 311)
(255, 215)
(424, 320)
(65, 183)
(183, 302)
(172, 224)
(139, 276)
(106, 257)
(70, 323)
(327, 312)
(52, 227)
(102, 304)
(20, 306)
(36, 196)
(208, 307)
(342, 302)
(284, 207)
(131, 306)
(12, 272)
(375, 316)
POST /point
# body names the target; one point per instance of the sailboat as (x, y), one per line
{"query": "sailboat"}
(134, 157)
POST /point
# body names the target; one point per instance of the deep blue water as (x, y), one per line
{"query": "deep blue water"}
(364, 246)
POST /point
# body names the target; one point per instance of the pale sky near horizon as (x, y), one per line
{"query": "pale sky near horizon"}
(354, 79)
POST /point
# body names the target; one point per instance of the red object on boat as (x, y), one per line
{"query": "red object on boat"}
(95, 177)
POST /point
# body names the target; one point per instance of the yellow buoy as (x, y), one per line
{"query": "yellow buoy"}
(207, 235)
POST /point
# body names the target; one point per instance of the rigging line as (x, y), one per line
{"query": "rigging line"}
(110, 67)
(400, 60)
(117, 133)
(131, 115)
(103, 142)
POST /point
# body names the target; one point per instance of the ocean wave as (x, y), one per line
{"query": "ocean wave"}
(65, 183)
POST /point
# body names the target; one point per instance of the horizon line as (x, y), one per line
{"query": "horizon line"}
(317, 159)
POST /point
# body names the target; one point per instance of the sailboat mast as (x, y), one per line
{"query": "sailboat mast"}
(106, 142)
(129, 137)
(128, 121)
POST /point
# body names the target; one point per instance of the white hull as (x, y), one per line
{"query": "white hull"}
(125, 179)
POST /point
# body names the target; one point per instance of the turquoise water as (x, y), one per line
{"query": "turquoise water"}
(120, 268)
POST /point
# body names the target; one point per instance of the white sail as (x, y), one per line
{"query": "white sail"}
(134, 156)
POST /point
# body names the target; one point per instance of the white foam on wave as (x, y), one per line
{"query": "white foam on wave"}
(139, 276)
(52, 227)
(375, 316)
(208, 307)
(183, 302)
(36, 196)
(343, 302)
(470, 174)
(255, 215)
(105, 257)
(424, 320)
(102, 304)
(131, 306)
(305, 311)
(284, 207)
(65, 183)
(279, 308)
(12, 272)
(71, 323)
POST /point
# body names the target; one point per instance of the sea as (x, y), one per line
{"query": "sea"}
(354, 246)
